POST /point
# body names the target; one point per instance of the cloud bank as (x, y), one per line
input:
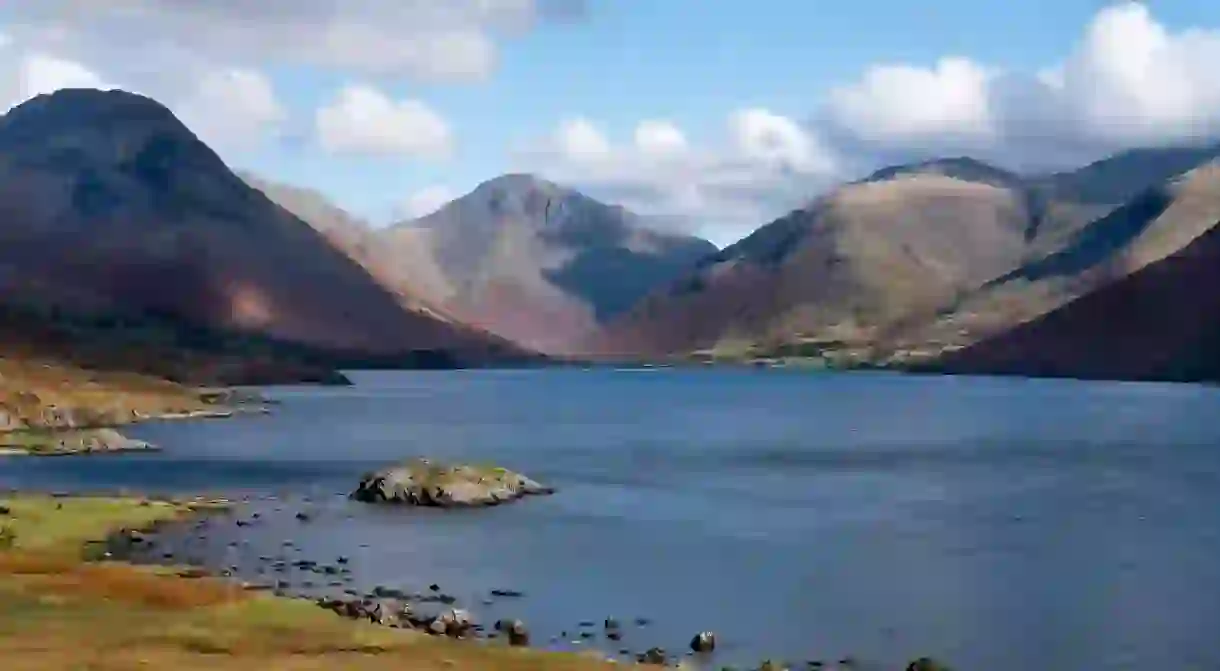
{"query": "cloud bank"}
(1127, 82)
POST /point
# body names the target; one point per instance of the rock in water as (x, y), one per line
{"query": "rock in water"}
(926, 664)
(424, 483)
(653, 657)
(704, 641)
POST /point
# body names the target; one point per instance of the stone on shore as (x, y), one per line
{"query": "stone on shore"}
(425, 483)
(518, 634)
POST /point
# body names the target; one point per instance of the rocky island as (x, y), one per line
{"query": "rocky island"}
(421, 482)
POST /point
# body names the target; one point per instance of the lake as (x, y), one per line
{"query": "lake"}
(999, 524)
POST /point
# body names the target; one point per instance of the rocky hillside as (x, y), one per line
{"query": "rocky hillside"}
(904, 240)
(524, 258)
(1161, 322)
(921, 258)
(538, 263)
(112, 208)
(1154, 224)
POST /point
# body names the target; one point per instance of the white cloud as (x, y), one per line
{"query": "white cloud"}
(900, 103)
(579, 140)
(363, 120)
(1133, 81)
(420, 38)
(426, 201)
(1129, 82)
(659, 138)
(232, 107)
(769, 138)
(764, 164)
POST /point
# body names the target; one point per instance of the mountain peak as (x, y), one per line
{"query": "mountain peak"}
(963, 168)
(519, 183)
(76, 106)
(111, 146)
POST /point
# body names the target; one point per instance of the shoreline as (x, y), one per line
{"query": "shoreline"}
(380, 608)
(95, 439)
(217, 615)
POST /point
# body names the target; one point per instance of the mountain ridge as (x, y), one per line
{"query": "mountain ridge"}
(801, 277)
(113, 207)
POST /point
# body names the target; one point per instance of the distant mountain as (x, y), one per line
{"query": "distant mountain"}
(918, 258)
(111, 208)
(535, 262)
(904, 240)
(1161, 322)
(1151, 226)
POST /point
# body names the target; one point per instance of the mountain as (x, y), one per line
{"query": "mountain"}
(1161, 322)
(1151, 226)
(919, 258)
(537, 263)
(906, 239)
(113, 209)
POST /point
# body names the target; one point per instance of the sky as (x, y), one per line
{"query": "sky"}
(715, 115)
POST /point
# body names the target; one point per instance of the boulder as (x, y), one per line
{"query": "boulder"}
(653, 657)
(388, 612)
(704, 641)
(425, 483)
(518, 634)
(455, 623)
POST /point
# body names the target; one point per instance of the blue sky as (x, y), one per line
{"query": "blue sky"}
(773, 66)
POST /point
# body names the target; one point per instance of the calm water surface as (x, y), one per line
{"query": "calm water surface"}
(1000, 524)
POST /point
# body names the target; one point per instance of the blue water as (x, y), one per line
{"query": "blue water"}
(999, 524)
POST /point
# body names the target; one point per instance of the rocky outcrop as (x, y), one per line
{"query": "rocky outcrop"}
(424, 483)
(56, 443)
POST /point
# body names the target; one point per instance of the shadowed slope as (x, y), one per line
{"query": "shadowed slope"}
(1156, 223)
(109, 205)
(1160, 323)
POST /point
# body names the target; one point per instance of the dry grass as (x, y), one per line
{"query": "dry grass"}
(57, 612)
(29, 387)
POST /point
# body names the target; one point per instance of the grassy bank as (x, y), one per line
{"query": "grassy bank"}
(58, 611)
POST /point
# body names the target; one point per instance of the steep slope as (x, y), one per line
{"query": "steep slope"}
(1151, 226)
(357, 239)
(1162, 322)
(1072, 199)
(905, 240)
(535, 262)
(110, 206)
